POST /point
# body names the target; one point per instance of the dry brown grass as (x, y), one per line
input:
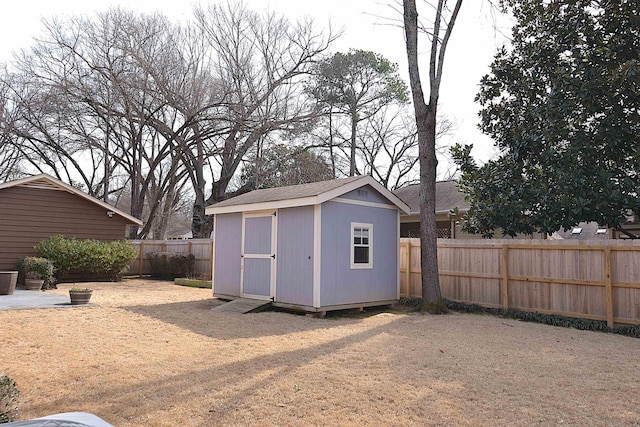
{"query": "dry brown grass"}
(154, 354)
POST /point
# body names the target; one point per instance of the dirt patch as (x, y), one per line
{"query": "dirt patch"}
(154, 354)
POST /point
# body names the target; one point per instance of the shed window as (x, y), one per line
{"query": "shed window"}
(361, 245)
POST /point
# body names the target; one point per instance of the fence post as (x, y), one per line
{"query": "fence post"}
(608, 286)
(504, 291)
(407, 272)
(140, 259)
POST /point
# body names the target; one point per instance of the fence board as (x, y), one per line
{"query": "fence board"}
(200, 248)
(587, 279)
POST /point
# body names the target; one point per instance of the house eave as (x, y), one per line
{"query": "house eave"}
(66, 187)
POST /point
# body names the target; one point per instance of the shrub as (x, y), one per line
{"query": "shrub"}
(37, 268)
(169, 265)
(63, 253)
(87, 257)
(8, 399)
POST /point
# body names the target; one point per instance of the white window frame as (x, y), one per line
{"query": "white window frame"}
(360, 266)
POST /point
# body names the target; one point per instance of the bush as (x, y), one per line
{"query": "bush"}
(89, 258)
(169, 265)
(8, 399)
(37, 268)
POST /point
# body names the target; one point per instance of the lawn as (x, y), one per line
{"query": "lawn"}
(153, 354)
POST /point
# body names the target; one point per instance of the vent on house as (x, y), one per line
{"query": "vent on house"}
(601, 231)
(576, 230)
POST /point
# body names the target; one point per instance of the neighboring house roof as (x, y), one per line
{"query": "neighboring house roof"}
(300, 195)
(181, 231)
(448, 197)
(582, 231)
(48, 182)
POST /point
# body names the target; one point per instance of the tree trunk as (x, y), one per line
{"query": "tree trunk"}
(200, 228)
(333, 159)
(431, 297)
(426, 123)
(354, 128)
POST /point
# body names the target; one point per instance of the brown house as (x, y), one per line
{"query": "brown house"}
(34, 208)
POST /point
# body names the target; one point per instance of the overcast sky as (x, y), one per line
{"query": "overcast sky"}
(471, 49)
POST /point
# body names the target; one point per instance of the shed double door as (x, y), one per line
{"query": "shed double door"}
(258, 255)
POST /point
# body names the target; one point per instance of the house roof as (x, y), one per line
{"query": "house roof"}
(583, 231)
(448, 197)
(300, 195)
(47, 182)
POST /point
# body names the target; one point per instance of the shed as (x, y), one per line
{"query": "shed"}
(34, 208)
(315, 247)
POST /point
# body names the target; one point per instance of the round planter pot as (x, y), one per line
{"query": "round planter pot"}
(8, 281)
(80, 297)
(33, 284)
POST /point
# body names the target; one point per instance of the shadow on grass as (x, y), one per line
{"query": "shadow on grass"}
(221, 389)
(197, 317)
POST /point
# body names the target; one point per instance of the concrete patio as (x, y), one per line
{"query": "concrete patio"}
(32, 299)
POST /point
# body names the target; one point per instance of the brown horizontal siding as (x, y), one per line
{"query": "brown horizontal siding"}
(78, 229)
(30, 215)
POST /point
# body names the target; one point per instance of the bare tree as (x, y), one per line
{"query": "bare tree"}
(87, 105)
(261, 60)
(426, 113)
(388, 146)
(134, 107)
(10, 155)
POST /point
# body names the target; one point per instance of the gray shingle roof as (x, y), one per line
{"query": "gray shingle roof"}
(286, 193)
(447, 197)
(587, 230)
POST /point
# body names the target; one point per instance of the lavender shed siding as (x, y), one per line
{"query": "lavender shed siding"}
(339, 283)
(294, 278)
(257, 235)
(311, 266)
(256, 277)
(366, 194)
(228, 239)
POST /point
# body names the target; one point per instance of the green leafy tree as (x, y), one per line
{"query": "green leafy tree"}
(282, 165)
(562, 105)
(357, 84)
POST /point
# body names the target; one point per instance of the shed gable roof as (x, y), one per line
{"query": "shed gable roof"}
(300, 195)
(447, 197)
(47, 182)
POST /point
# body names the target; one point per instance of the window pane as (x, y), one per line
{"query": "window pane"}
(365, 232)
(361, 255)
(357, 240)
(365, 240)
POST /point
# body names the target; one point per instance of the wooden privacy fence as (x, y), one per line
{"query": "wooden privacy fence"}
(598, 280)
(200, 248)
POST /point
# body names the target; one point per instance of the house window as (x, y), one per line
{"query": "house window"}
(361, 245)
